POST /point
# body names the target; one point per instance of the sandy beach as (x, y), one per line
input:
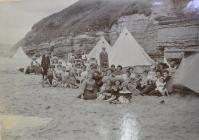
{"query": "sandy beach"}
(30, 112)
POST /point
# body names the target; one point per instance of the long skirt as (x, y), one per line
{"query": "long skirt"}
(90, 95)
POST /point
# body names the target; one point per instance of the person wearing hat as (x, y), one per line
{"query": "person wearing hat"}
(103, 57)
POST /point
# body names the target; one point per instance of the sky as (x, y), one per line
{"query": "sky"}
(18, 16)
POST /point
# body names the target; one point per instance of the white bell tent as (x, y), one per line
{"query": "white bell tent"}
(98, 48)
(128, 52)
(20, 59)
(187, 74)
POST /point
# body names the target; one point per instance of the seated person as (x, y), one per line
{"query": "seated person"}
(160, 89)
(57, 78)
(98, 80)
(132, 71)
(115, 89)
(119, 71)
(84, 74)
(151, 76)
(84, 57)
(105, 91)
(108, 75)
(73, 79)
(78, 69)
(144, 80)
(50, 75)
(113, 69)
(132, 86)
(54, 61)
(35, 66)
(125, 95)
(126, 76)
(151, 86)
(65, 78)
(88, 89)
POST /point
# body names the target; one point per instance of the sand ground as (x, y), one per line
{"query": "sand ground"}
(37, 113)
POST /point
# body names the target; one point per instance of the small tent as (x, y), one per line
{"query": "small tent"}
(98, 48)
(187, 74)
(128, 52)
(20, 59)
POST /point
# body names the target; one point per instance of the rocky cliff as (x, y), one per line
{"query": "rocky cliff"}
(154, 24)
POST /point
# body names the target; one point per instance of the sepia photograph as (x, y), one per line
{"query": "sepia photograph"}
(99, 69)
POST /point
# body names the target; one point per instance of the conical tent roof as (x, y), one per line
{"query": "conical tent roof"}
(128, 52)
(187, 74)
(98, 48)
(20, 59)
(20, 54)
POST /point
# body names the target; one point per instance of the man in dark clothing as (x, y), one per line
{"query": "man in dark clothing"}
(103, 57)
(45, 64)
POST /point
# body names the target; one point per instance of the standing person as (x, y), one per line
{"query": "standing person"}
(103, 57)
(169, 81)
(172, 68)
(35, 65)
(45, 64)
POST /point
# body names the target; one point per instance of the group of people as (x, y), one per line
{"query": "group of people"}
(114, 84)
(59, 73)
(119, 85)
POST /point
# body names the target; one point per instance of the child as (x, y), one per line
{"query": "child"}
(151, 77)
(50, 74)
(57, 78)
(105, 90)
(115, 91)
(78, 69)
(161, 86)
(144, 80)
(72, 79)
(132, 86)
(57, 81)
(132, 71)
(65, 78)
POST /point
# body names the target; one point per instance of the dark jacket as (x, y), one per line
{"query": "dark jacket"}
(169, 83)
(45, 62)
(104, 62)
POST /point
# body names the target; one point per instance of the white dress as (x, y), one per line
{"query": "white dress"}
(160, 86)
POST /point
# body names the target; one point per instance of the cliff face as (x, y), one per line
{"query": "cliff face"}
(154, 23)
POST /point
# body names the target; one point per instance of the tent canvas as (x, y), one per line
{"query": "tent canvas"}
(128, 52)
(98, 48)
(187, 74)
(20, 59)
